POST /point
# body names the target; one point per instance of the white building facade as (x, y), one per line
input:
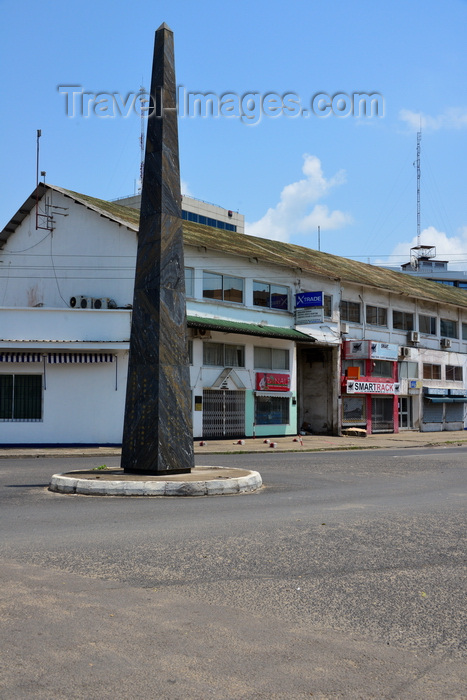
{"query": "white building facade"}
(364, 348)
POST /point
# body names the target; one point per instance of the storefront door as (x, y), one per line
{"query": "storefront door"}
(382, 416)
(223, 413)
(405, 412)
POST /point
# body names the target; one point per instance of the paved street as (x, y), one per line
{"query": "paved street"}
(343, 578)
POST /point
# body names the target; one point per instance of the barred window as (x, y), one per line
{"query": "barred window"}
(327, 298)
(21, 397)
(350, 311)
(376, 315)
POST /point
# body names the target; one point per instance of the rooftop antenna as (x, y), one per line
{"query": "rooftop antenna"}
(319, 237)
(420, 252)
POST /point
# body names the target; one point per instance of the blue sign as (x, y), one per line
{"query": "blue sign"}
(305, 299)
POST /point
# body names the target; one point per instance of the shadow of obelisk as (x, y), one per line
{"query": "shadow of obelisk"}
(157, 433)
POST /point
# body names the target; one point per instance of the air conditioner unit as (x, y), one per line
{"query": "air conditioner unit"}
(104, 303)
(344, 328)
(404, 352)
(80, 302)
(200, 333)
(413, 337)
(445, 342)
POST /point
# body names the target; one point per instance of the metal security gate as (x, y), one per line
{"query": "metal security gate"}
(223, 413)
(382, 414)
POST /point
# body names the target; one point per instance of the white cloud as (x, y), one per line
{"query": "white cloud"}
(451, 118)
(185, 188)
(453, 249)
(292, 213)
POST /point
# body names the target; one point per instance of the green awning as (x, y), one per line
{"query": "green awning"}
(227, 326)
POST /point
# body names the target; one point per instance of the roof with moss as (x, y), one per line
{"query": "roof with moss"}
(289, 255)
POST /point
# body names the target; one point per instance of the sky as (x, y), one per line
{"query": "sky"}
(293, 156)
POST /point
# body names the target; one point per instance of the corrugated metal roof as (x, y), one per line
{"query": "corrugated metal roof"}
(220, 324)
(303, 259)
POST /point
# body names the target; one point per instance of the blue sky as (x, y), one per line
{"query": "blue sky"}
(288, 174)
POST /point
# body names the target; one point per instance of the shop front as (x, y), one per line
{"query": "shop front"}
(443, 409)
(370, 387)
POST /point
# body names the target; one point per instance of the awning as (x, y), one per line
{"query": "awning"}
(447, 399)
(54, 358)
(227, 326)
(20, 357)
(275, 394)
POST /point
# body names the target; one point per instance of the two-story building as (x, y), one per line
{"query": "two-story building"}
(281, 337)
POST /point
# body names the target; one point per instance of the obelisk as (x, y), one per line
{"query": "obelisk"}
(157, 433)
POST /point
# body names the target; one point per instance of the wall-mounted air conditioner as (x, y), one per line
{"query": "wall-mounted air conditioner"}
(404, 352)
(413, 337)
(344, 328)
(104, 303)
(445, 342)
(200, 333)
(80, 302)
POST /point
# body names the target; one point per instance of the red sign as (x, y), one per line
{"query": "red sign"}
(272, 382)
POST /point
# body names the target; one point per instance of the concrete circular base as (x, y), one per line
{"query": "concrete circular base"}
(202, 481)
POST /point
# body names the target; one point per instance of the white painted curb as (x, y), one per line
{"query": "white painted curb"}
(61, 483)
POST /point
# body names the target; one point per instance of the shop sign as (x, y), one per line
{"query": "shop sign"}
(266, 381)
(366, 387)
(415, 384)
(384, 351)
(306, 299)
(434, 391)
(457, 392)
(357, 349)
(309, 314)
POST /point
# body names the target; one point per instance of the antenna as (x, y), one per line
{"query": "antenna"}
(319, 237)
(419, 138)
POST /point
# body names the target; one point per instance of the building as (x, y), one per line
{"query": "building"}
(282, 337)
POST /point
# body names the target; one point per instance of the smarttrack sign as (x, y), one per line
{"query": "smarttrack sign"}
(372, 388)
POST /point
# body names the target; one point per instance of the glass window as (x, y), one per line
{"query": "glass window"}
(382, 368)
(273, 296)
(353, 409)
(327, 305)
(376, 315)
(20, 397)
(408, 370)
(220, 355)
(222, 287)
(271, 358)
(353, 363)
(271, 410)
(350, 311)
(190, 352)
(464, 331)
(448, 328)
(427, 324)
(402, 320)
(431, 371)
(454, 373)
(189, 281)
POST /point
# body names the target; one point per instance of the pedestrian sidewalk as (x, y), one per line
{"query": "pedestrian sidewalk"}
(307, 443)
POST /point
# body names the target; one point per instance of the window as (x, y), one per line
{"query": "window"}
(353, 409)
(189, 281)
(353, 363)
(220, 355)
(21, 397)
(271, 410)
(408, 370)
(350, 311)
(190, 352)
(427, 324)
(222, 287)
(273, 296)
(376, 315)
(431, 371)
(382, 368)
(271, 358)
(454, 373)
(327, 305)
(448, 328)
(402, 320)
(464, 331)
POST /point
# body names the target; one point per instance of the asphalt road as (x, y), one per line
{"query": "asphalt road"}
(343, 578)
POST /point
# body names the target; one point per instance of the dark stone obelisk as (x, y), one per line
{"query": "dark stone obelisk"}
(157, 433)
